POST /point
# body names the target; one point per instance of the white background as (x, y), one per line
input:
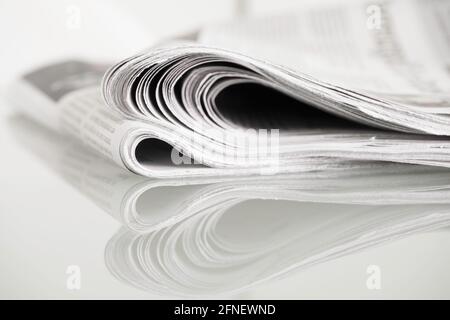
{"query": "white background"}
(47, 225)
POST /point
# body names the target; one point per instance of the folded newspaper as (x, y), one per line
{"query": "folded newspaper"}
(307, 90)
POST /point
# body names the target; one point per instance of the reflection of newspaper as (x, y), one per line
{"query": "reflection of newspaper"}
(213, 252)
(190, 237)
(299, 92)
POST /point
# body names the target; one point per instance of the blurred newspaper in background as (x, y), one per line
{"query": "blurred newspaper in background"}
(316, 89)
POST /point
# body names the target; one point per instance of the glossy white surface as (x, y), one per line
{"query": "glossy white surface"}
(47, 225)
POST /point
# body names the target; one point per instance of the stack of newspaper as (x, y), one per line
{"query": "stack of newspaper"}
(318, 89)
